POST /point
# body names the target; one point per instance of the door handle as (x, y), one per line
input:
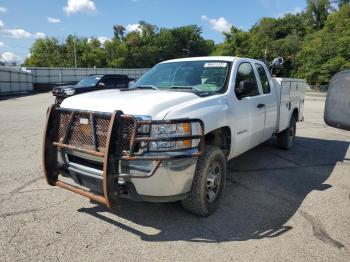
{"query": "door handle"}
(261, 105)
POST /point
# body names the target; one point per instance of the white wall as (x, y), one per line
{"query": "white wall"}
(15, 80)
(47, 75)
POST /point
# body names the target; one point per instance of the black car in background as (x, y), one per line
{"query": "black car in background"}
(91, 83)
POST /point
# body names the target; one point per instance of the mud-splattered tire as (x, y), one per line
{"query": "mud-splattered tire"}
(208, 183)
(285, 139)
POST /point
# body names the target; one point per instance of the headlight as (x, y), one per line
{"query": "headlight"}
(69, 92)
(168, 131)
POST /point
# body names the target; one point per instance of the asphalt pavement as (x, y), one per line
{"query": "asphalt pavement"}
(279, 205)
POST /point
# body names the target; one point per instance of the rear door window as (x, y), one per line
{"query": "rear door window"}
(109, 82)
(264, 79)
(121, 81)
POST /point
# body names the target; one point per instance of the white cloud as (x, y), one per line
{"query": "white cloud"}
(17, 33)
(2, 44)
(2, 25)
(102, 39)
(53, 20)
(295, 11)
(39, 35)
(133, 27)
(8, 57)
(74, 6)
(3, 9)
(220, 25)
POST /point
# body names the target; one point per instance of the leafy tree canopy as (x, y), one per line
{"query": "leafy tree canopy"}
(314, 43)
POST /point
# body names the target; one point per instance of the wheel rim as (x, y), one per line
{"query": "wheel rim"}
(213, 181)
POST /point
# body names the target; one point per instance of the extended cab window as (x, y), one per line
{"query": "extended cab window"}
(263, 78)
(246, 84)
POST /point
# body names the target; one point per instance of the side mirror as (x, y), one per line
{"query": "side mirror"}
(131, 84)
(101, 84)
(245, 88)
(337, 110)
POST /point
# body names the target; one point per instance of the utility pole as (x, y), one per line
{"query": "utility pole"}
(75, 54)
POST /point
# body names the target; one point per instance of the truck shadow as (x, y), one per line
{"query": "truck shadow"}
(265, 188)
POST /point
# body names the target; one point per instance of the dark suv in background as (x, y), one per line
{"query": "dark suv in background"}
(91, 83)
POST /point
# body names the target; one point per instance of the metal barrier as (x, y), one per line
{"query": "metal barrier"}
(15, 80)
(51, 75)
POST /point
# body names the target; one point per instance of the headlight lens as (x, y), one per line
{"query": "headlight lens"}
(69, 92)
(170, 130)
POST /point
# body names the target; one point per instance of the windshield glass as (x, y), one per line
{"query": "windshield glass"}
(200, 76)
(89, 81)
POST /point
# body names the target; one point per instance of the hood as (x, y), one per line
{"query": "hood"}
(63, 87)
(154, 103)
(71, 87)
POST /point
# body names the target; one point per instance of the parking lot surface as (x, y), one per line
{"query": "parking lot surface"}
(279, 205)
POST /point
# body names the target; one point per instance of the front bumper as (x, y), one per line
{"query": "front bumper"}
(100, 152)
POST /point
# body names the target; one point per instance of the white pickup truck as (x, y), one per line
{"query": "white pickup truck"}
(168, 138)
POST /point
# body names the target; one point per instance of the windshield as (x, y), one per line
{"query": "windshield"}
(198, 76)
(89, 81)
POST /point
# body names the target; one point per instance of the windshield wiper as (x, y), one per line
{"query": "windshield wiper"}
(146, 87)
(197, 91)
(183, 87)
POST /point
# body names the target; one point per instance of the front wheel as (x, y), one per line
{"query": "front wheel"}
(285, 139)
(208, 183)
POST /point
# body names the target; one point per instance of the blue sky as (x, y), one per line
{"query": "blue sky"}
(21, 21)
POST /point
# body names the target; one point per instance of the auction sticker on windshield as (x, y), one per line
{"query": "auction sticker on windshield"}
(215, 64)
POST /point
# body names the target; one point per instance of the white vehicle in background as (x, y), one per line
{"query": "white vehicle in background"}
(169, 137)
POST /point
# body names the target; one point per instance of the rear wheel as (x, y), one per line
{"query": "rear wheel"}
(285, 139)
(208, 183)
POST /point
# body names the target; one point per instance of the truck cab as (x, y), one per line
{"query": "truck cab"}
(169, 137)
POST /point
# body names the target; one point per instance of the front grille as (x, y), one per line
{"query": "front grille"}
(127, 128)
(89, 131)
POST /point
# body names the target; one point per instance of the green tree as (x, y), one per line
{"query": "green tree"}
(119, 31)
(116, 53)
(313, 43)
(327, 51)
(342, 2)
(45, 52)
(318, 11)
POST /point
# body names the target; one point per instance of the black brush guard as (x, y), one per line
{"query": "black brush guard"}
(112, 137)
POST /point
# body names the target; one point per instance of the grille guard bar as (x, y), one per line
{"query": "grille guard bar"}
(120, 141)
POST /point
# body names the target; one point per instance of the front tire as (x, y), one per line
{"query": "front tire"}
(285, 139)
(208, 184)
